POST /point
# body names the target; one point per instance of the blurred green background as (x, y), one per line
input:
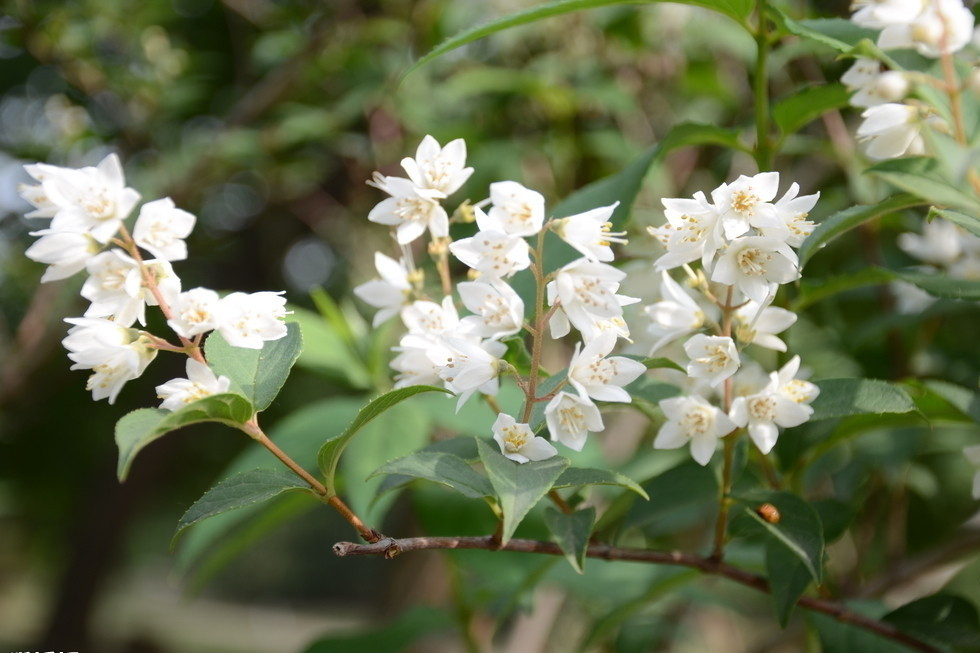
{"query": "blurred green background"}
(265, 118)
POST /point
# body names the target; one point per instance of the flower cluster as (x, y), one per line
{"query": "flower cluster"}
(88, 208)
(935, 28)
(744, 240)
(465, 353)
(943, 248)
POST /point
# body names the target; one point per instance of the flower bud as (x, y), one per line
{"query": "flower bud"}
(891, 86)
(972, 81)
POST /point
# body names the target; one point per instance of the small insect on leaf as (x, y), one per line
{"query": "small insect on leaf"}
(768, 512)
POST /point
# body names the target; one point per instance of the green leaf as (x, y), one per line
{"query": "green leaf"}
(578, 476)
(955, 159)
(549, 385)
(923, 176)
(966, 401)
(843, 397)
(940, 285)
(837, 33)
(798, 530)
(326, 351)
(517, 354)
(518, 487)
(815, 290)
(848, 219)
(661, 363)
(572, 532)
(835, 515)
(686, 134)
(330, 452)
(141, 427)
(206, 548)
(400, 635)
(257, 374)
(792, 113)
(942, 619)
(738, 10)
(238, 491)
(622, 187)
(788, 579)
(443, 468)
(649, 389)
(680, 497)
(969, 222)
(397, 432)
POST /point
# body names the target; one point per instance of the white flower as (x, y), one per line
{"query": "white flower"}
(799, 390)
(467, 366)
(973, 455)
(249, 320)
(792, 212)
(675, 315)
(590, 232)
(439, 169)
(876, 14)
(200, 383)
(411, 210)
(692, 420)
(746, 203)
(891, 130)
(493, 253)
(593, 373)
(560, 326)
(90, 199)
(693, 230)
(943, 26)
(861, 73)
(889, 86)
(570, 417)
(767, 410)
(872, 86)
(426, 318)
(941, 242)
(413, 364)
(65, 252)
(390, 292)
(516, 210)
(518, 442)
(161, 228)
(499, 311)
(34, 194)
(749, 380)
(909, 298)
(114, 353)
(194, 312)
(714, 358)
(587, 292)
(760, 327)
(115, 287)
(755, 265)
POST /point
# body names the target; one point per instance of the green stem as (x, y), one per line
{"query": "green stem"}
(724, 500)
(760, 86)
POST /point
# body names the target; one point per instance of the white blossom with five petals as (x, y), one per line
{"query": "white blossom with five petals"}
(518, 442)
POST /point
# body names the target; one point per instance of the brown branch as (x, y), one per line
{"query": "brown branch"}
(389, 548)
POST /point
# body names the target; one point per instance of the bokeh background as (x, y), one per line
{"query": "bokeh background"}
(265, 118)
